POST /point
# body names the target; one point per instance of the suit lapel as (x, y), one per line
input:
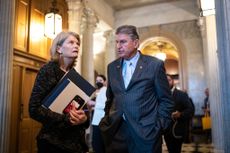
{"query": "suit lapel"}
(141, 64)
(118, 73)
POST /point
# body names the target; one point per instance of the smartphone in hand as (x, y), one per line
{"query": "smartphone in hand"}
(77, 102)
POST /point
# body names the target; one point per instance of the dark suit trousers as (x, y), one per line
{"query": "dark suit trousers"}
(174, 145)
(126, 141)
(137, 145)
(118, 144)
(97, 143)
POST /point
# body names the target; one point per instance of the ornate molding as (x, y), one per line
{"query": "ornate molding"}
(74, 4)
(75, 8)
(89, 19)
(109, 36)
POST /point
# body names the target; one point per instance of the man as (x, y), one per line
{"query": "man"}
(139, 105)
(206, 106)
(206, 109)
(183, 111)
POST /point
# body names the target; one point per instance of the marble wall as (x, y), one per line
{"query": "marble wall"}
(163, 13)
(186, 36)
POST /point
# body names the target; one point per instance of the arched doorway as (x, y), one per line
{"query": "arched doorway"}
(166, 50)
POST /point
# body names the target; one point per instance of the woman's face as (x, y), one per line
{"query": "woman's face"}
(69, 48)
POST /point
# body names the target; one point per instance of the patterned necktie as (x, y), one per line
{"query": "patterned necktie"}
(128, 72)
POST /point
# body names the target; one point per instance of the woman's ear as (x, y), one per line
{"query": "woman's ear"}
(59, 50)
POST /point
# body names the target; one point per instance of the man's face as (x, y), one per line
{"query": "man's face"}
(171, 82)
(126, 47)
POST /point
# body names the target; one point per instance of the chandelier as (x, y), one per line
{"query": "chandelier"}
(160, 55)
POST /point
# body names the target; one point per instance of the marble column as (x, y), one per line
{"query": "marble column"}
(110, 48)
(74, 14)
(7, 8)
(223, 43)
(213, 80)
(89, 21)
(75, 10)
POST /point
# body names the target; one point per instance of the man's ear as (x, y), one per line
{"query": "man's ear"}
(137, 42)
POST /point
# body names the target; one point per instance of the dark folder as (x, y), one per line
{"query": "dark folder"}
(72, 85)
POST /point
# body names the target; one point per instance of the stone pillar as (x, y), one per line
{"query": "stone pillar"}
(74, 17)
(89, 21)
(110, 48)
(7, 14)
(223, 43)
(74, 14)
(212, 72)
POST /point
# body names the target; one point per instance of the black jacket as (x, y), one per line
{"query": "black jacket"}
(183, 105)
(56, 128)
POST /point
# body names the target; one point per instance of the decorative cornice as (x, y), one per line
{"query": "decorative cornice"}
(89, 19)
(109, 35)
(74, 4)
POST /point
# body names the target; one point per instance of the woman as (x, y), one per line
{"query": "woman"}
(60, 133)
(98, 106)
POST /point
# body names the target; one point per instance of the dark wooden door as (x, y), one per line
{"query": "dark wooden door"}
(28, 128)
(24, 129)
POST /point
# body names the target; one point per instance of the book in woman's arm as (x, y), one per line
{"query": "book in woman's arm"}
(71, 89)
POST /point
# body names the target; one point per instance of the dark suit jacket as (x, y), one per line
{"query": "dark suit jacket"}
(183, 105)
(146, 102)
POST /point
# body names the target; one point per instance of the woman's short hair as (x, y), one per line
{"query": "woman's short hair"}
(58, 41)
(129, 30)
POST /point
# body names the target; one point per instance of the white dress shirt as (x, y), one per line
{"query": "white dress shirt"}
(99, 106)
(128, 68)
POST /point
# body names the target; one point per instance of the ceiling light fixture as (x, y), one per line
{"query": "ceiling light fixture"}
(160, 55)
(53, 22)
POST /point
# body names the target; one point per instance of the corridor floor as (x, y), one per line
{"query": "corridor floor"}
(193, 148)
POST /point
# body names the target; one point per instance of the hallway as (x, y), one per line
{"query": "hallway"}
(200, 43)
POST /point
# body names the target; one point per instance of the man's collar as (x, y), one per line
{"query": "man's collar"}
(134, 59)
(173, 88)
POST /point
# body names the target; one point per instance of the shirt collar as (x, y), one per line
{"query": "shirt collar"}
(173, 88)
(134, 59)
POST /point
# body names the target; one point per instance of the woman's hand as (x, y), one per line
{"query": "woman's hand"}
(91, 104)
(77, 117)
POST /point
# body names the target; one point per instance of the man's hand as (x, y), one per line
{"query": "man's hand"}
(175, 115)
